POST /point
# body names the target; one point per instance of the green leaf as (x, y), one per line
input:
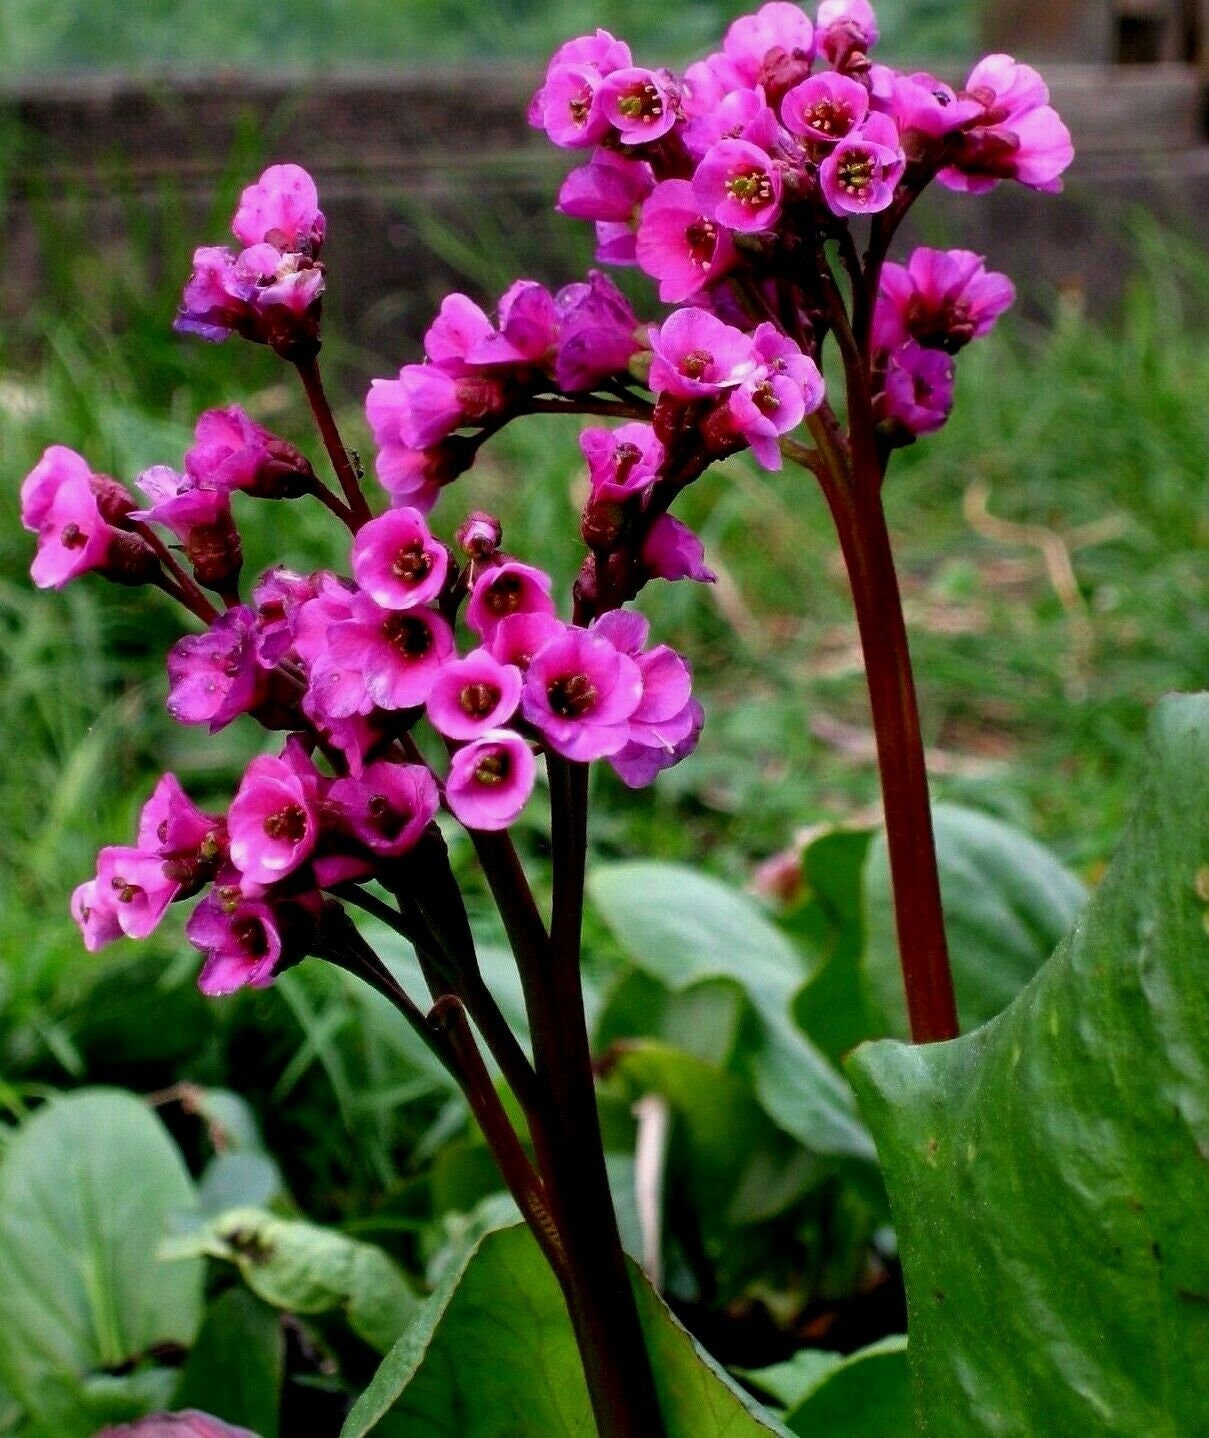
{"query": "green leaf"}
(866, 1395)
(1008, 901)
(683, 927)
(491, 1355)
(302, 1268)
(237, 1365)
(87, 1190)
(1047, 1173)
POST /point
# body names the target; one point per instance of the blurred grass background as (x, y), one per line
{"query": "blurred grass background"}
(1039, 646)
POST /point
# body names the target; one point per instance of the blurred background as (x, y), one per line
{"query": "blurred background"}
(1052, 538)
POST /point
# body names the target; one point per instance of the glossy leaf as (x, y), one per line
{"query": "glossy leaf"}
(683, 927)
(1008, 901)
(491, 1355)
(1047, 1173)
(87, 1189)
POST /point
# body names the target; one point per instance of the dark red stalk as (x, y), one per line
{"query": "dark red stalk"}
(312, 382)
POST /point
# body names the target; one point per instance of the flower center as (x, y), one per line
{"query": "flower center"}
(702, 239)
(580, 106)
(73, 537)
(503, 595)
(287, 825)
(249, 934)
(571, 696)
(492, 768)
(750, 187)
(695, 363)
(764, 397)
(856, 172)
(385, 818)
(829, 118)
(125, 890)
(409, 635)
(412, 564)
(477, 700)
(643, 102)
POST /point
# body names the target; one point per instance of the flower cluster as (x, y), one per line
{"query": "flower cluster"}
(350, 665)
(272, 289)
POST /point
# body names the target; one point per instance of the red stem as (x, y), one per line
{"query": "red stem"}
(312, 382)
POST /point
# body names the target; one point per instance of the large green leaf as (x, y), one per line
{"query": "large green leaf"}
(87, 1189)
(302, 1268)
(683, 927)
(237, 1365)
(491, 1355)
(1008, 901)
(1049, 1173)
(865, 1395)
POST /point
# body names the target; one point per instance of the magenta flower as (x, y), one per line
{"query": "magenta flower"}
(1018, 136)
(738, 185)
(278, 596)
(310, 621)
(59, 503)
(479, 535)
(382, 657)
(597, 333)
(740, 115)
(426, 403)
(187, 1424)
(460, 324)
(775, 400)
(609, 187)
(775, 26)
(825, 109)
(241, 941)
(697, 354)
(639, 104)
(473, 695)
(528, 328)
(518, 637)
(490, 780)
(171, 825)
(845, 28)
(281, 209)
(679, 244)
(942, 299)
(397, 562)
(231, 451)
(580, 693)
(216, 676)
(272, 823)
(599, 50)
(134, 883)
(858, 177)
(388, 806)
(638, 764)
(917, 393)
(672, 551)
(622, 463)
(414, 478)
(509, 588)
(568, 107)
(94, 909)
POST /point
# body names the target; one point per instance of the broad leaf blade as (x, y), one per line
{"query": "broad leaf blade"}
(491, 1355)
(1008, 901)
(1048, 1173)
(237, 1365)
(683, 927)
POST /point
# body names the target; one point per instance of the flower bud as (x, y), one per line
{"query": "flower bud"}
(479, 535)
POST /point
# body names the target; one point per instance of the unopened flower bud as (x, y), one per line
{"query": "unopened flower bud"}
(130, 560)
(215, 552)
(114, 500)
(602, 525)
(479, 535)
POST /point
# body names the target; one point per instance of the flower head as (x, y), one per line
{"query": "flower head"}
(942, 299)
(679, 243)
(216, 676)
(272, 822)
(473, 695)
(580, 692)
(397, 562)
(697, 354)
(490, 780)
(858, 177)
(388, 806)
(739, 185)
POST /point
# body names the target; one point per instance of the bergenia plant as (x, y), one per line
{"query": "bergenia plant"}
(428, 684)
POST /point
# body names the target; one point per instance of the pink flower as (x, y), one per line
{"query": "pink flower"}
(580, 693)
(740, 115)
(738, 185)
(697, 354)
(672, 551)
(231, 451)
(397, 562)
(381, 658)
(414, 478)
(242, 943)
(623, 462)
(94, 909)
(135, 885)
(214, 677)
(639, 104)
(509, 588)
(281, 209)
(459, 326)
(609, 187)
(638, 764)
(171, 825)
(825, 109)
(278, 595)
(388, 806)
(187, 1424)
(59, 503)
(428, 402)
(786, 388)
(490, 780)
(1018, 136)
(844, 28)
(199, 517)
(858, 177)
(942, 299)
(596, 333)
(925, 111)
(775, 26)
(473, 695)
(272, 822)
(917, 394)
(679, 244)
(518, 637)
(528, 328)
(568, 107)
